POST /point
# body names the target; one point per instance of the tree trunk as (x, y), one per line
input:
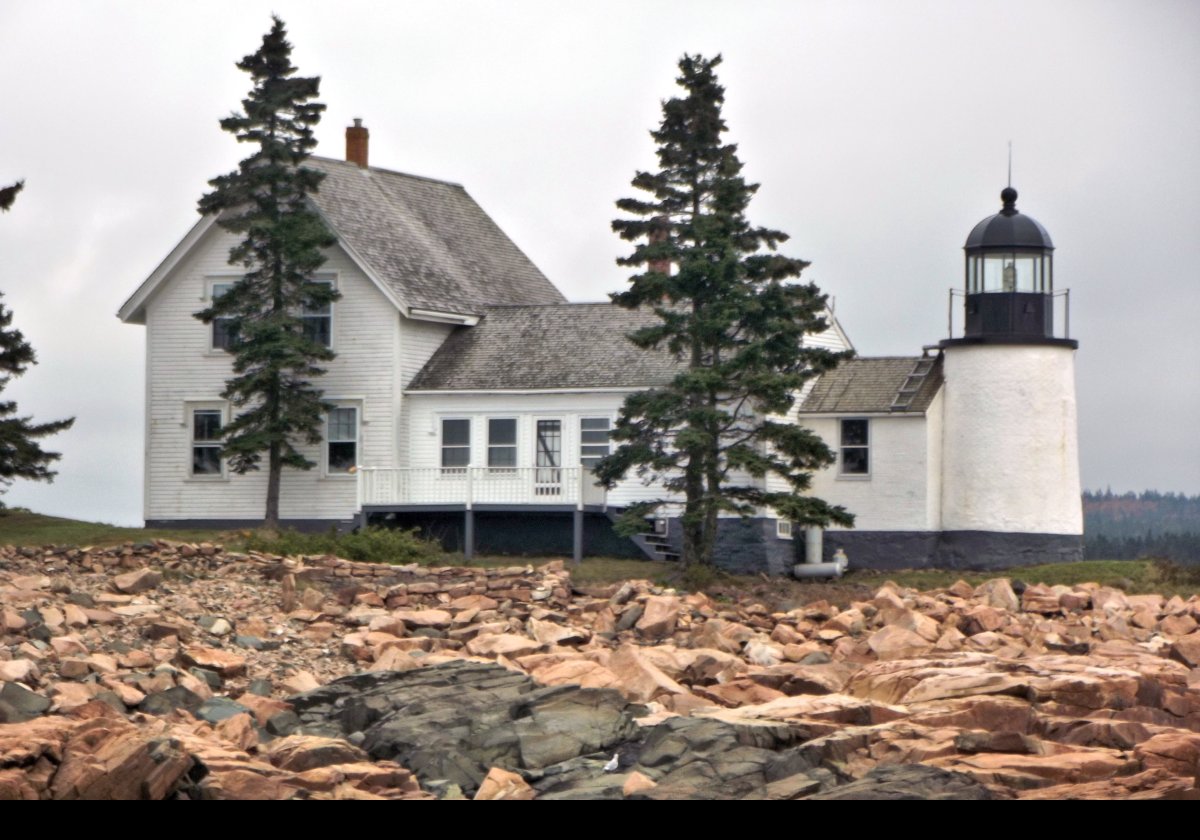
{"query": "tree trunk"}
(711, 510)
(692, 520)
(274, 475)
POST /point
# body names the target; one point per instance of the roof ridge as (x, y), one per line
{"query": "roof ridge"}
(384, 171)
(549, 305)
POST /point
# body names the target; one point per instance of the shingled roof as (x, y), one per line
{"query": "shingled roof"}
(870, 385)
(427, 240)
(568, 346)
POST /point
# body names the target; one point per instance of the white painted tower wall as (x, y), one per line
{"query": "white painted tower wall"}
(1011, 441)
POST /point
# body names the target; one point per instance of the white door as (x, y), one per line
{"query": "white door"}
(547, 447)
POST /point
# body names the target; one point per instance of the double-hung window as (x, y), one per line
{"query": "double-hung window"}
(223, 335)
(318, 320)
(593, 440)
(502, 444)
(856, 456)
(456, 445)
(341, 439)
(206, 441)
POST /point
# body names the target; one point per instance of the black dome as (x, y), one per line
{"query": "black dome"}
(1009, 229)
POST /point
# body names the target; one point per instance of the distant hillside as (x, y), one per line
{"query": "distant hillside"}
(1147, 524)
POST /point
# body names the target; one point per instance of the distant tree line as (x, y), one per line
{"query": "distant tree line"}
(1127, 526)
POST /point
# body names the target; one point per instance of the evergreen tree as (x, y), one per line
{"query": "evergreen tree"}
(736, 325)
(9, 194)
(20, 454)
(266, 202)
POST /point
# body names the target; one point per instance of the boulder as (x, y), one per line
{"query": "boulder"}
(636, 783)
(998, 593)
(910, 782)
(638, 678)
(660, 613)
(223, 662)
(897, 643)
(455, 721)
(141, 580)
(503, 644)
(18, 704)
(298, 753)
(1187, 650)
(21, 671)
(504, 784)
(416, 619)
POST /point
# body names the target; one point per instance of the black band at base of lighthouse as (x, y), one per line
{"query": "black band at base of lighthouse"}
(958, 550)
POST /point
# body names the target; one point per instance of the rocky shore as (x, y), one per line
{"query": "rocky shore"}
(167, 670)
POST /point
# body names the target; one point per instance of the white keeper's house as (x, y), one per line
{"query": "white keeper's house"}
(471, 399)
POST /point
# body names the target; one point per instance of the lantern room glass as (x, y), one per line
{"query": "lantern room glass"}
(1010, 272)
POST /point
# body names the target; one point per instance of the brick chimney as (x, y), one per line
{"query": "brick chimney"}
(356, 143)
(658, 233)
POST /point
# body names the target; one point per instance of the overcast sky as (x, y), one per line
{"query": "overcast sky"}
(878, 131)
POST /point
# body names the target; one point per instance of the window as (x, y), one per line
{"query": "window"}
(223, 336)
(855, 444)
(341, 439)
(502, 444)
(783, 529)
(318, 320)
(593, 440)
(206, 441)
(456, 445)
(548, 458)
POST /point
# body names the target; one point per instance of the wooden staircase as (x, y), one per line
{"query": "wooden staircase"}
(651, 542)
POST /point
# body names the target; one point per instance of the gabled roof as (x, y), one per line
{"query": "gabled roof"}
(426, 243)
(573, 346)
(569, 346)
(871, 385)
(427, 240)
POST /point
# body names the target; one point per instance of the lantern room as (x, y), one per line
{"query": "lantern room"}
(1009, 276)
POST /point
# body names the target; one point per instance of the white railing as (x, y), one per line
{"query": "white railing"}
(470, 486)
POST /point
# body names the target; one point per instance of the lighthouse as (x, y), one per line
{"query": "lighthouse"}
(1010, 455)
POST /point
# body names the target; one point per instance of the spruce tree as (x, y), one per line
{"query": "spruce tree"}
(266, 202)
(9, 194)
(729, 314)
(20, 454)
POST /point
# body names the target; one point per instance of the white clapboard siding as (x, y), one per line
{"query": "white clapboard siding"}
(419, 340)
(182, 370)
(832, 337)
(894, 497)
(934, 426)
(425, 411)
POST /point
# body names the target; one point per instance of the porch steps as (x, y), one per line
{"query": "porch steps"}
(654, 545)
(659, 545)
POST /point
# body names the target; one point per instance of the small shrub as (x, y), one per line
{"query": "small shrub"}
(700, 576)
(370, 545)
(1174, 574)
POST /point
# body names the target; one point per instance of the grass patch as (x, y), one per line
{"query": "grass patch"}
(598, 571)
(1133, 576)
(384, 545)
(22, 527)
(370, 545)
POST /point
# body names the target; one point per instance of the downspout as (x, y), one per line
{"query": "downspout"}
(812, 567)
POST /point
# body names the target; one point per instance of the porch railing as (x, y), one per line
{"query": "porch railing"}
(470, 486)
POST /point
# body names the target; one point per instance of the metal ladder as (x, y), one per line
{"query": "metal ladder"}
(912, 384)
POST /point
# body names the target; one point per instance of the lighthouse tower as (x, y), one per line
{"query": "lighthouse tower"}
(1010, 468)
